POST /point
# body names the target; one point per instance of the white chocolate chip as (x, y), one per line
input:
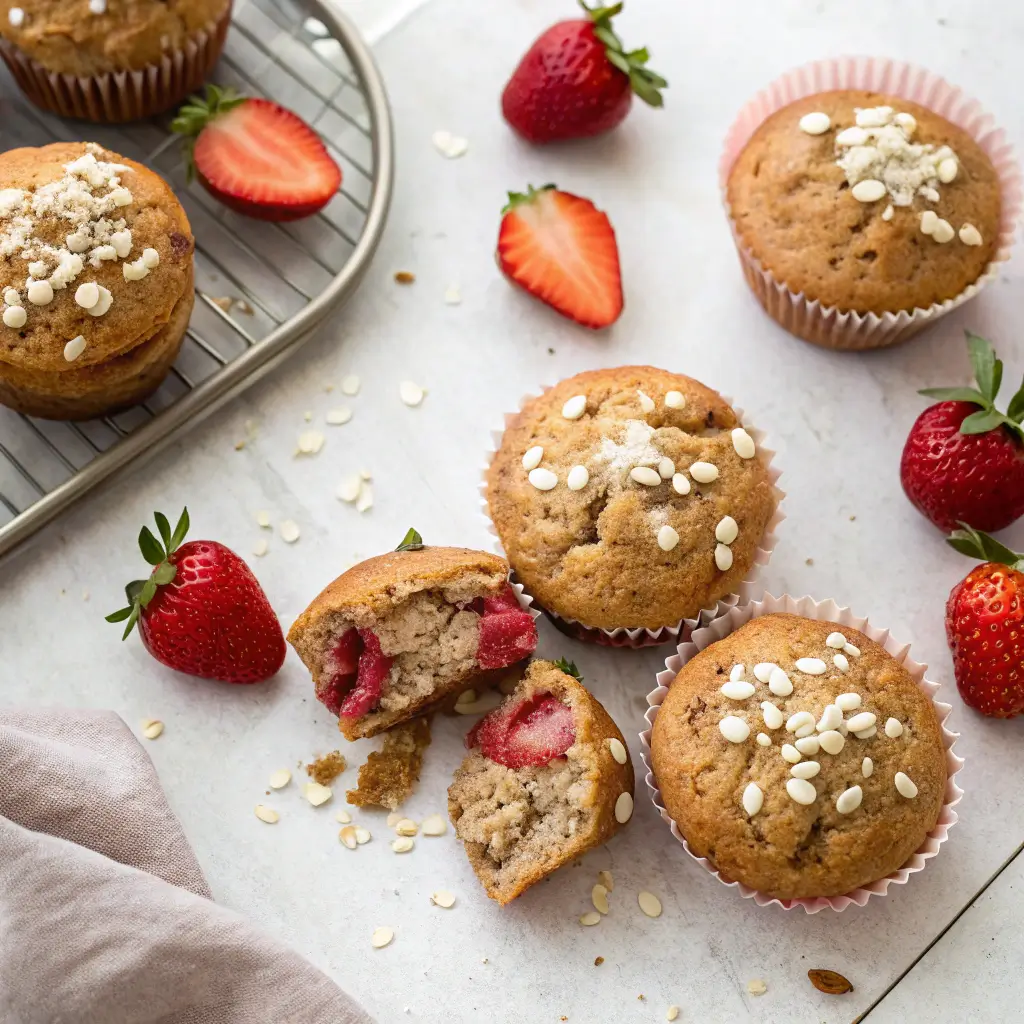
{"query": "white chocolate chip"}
(893, 728)
(120, 240)
(645, 475)
(646, 402)
(434, 825)
(727, 530)
(624, 808)
(575, 407)
(450, 146)
(532, 458)
(675, 400)
(888, 213)
(830, 718)
(12, 297)
(680, 484)
(261, 547)
(649, 903)
(805, 770)
(349, 488)
(947, 170)
(811, 666)
(39, 293)
(734, 729)
(852, 137)
(338, 417)
(543, 479)
(874, 117)
(150, 257)
(15, 317)
(943, 232)
(280, 779)
(87, 295)
(618, 751)
(121, 197)
(37, 269)
(410, 393)
(867, 766)
(381, 937)
(103, 305)
(853, 652)
(666, 468)
(840, 662)
(866, 734)
(779, 683)
(870, 190)
(801, 791)
(350, 385)
(316, 794)
(808, 745)
(289, 531)
(848, 701)
(835, 640)
(970, 235)
(74, 348)
(737, 691)
(743, 443)
(790, 753)
(723, 557)
(668, 538)
(860, 722)
(763, 671)
(267, 814)
(736, 673)
(753, 799)
(152, 728)
(704, 472)
(849, 800)
(764, 739)
(832, 741)
(815, 123)
(578, 478)
(799, 720)
(134, 271)
(772, 715)
(16, 17)
(929, 221)
(907, 122)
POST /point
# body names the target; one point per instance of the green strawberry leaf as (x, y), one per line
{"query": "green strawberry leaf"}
(569, 668)
(608, 37)
(130, 624)
(982, 422)
(164, 527)
(619, 60)
(976, 544)
(518, 198)
(646, 84)
(152, 552)
(133, 590)
(983, 361)
(164, 573)
(1015, 410)
(963, 394)
(148, 592)
(180, 531)
(120, 615)
(412, 541)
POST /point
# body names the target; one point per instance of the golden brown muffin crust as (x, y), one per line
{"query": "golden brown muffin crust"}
(68, 38)
(789, 850)
(607, 778)
(592, 555)
(155, 219)
(793, 210)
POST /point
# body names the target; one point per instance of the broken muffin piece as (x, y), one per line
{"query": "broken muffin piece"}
(543, 782)
(396, 634)
(390, 774)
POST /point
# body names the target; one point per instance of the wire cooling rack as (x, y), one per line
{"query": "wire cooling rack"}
(260, 288)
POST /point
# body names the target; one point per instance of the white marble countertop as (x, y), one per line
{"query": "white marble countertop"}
(837, 421)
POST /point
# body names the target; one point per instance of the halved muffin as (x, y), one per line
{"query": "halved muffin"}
(548, 777)
(396, 634)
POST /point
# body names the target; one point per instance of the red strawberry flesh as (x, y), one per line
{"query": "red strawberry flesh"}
(340, 671)
(526, 734)
(262, 160)
(507, 633)
(374, 668)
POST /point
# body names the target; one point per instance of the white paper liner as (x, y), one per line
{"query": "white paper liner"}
(827, 325)
(119, 96)
(641, 636)
(826, 611)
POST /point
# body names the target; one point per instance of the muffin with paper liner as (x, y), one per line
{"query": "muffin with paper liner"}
(111, 61)
(866, 199)
(798, 752)
(630, 499)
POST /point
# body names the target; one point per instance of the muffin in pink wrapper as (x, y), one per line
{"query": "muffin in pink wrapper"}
(867, 198)
(632, 504)
(111, 61)
(799, 755)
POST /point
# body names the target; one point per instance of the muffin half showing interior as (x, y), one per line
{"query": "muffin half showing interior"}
(395, 635)
(548, 777)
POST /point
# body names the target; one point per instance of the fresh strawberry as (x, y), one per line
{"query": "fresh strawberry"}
(578, 80)
(256, 157)
(985, 627)
(562, 250)
(964, 459)
(202, 611)
(527, 733)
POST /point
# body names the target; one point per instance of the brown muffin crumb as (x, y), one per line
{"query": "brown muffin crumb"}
(390, 774)
(327, 768)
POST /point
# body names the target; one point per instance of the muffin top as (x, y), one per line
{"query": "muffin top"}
(861, 796)
(866, 202)
(94, 253)
(629, 497)
(92, 37)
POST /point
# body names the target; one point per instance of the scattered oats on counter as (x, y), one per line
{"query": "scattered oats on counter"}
(382, 937)
(452, 295)
(261, 547)
(290, 532)
(310, 442)
(267, 814)
(350, 385)
(152, 728)
(649, 904)
(280, 778)
(343, 817)
(443, 899)
(410, 393)
(434, 825)
(338, 417)
(316, 794)
(757, 987)
(450, 146)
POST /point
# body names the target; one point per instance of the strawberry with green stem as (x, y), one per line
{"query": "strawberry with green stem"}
(202, 611)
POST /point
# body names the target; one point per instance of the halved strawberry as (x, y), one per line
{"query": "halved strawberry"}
(255, 156)
(562, 250)
(374, 667)
(529, 734)
(504, 601)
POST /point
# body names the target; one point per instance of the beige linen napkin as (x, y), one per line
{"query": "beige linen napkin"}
(105, 917)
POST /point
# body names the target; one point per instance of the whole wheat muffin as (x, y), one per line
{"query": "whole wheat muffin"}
(395, 635)
(796, 807)
(866, 202)
(96, 261)
(111, 60)
(629, 497)
(548, 777)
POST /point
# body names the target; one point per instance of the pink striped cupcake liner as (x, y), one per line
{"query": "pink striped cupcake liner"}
(829, 326)
(640, 637)
(826, 611)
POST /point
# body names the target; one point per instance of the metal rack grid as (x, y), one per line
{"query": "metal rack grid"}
(282, 278)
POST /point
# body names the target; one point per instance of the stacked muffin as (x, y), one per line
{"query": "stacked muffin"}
(96, 279)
